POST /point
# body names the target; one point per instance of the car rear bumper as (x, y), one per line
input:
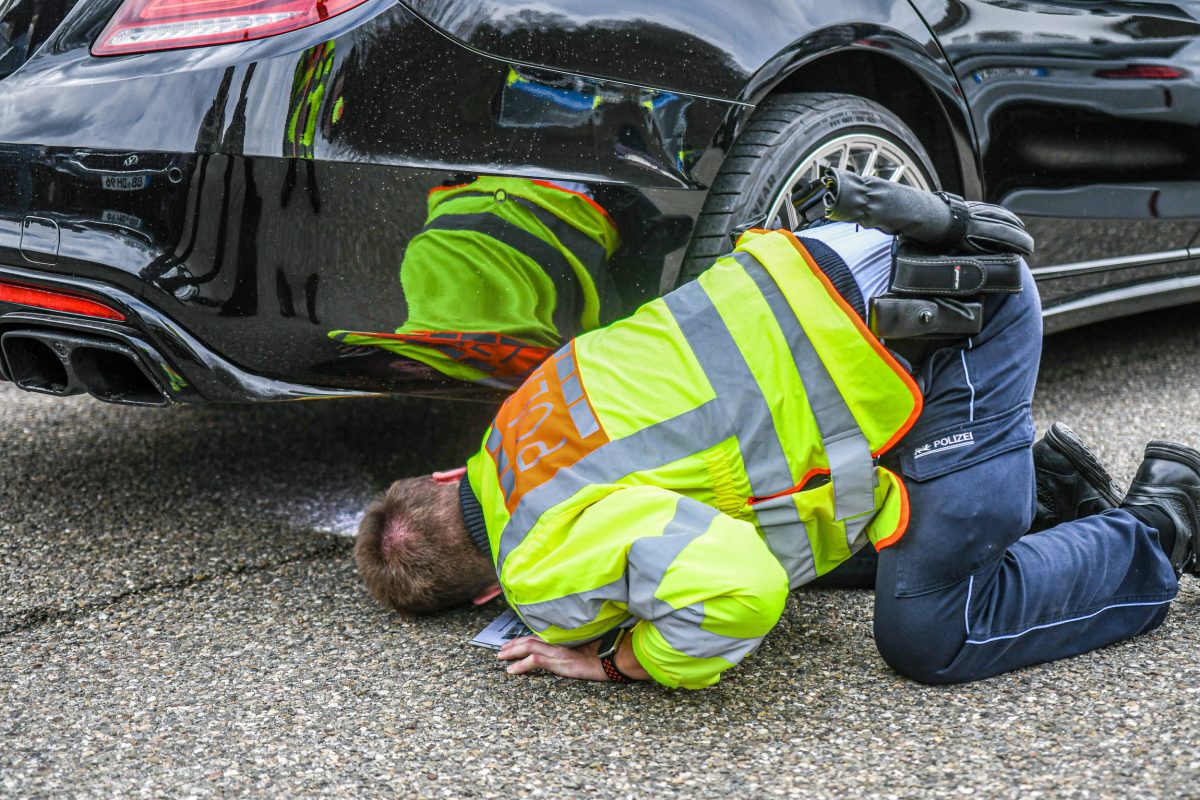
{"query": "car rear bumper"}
(245, 201)
(180, 367)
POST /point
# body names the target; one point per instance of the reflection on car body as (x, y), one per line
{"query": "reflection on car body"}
(503, 272)
(236, 201)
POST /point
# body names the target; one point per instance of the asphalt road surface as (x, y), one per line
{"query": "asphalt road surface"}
(180, 617)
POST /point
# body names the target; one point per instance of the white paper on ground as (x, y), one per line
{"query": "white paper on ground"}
(505, 627)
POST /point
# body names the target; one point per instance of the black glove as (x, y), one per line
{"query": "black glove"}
(942, 221)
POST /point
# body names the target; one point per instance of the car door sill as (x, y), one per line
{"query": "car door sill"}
(1107, 264)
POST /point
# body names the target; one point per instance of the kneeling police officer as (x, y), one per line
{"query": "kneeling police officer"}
(648, 497)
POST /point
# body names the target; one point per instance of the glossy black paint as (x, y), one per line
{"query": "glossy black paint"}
(878, 48)
(259, 255)
(189, 187)
(714, 49)
(1099, 159)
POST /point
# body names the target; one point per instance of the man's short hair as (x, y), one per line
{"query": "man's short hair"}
(413, 550)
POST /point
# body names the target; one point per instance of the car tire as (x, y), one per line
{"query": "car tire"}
(785, 132)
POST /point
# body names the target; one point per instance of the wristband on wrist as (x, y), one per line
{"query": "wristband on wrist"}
(609, 644)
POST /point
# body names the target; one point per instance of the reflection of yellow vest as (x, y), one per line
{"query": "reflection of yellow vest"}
(308, 93)
(503, 259)
(755, 390)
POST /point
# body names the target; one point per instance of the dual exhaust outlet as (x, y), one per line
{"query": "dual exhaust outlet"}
(65, 364)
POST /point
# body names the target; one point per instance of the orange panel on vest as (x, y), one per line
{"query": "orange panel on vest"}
(548, 424)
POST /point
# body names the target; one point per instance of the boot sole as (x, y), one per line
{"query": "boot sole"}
(1072, 448)
(1173, 451)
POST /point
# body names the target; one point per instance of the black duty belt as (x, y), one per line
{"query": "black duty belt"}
(931, 274)
(940, 296)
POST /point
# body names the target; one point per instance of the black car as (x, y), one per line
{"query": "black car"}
(213, 200)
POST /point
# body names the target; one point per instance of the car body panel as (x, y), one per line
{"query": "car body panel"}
(244, 202)
(698, 47)
(217, 211)
(1099, 162)
(710, 49)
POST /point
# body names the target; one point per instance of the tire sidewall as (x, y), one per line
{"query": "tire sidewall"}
(798, 141)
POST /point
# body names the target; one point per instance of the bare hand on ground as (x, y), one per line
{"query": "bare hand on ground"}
(530, 653)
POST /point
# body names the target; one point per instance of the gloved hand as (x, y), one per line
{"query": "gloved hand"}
(942, 221)
(994, 229)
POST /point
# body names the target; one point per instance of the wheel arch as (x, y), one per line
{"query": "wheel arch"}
(917, 89)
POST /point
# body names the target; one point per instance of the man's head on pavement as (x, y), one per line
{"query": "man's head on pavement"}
(413, 550)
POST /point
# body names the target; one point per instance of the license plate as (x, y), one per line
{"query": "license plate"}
(120, 218)
(124, 183)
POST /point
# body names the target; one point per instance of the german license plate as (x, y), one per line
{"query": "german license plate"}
(124, 183)
(120, 218)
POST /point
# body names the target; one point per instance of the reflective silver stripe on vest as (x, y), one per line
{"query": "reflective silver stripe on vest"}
(726, 369)
(649, 559)
(682, 631)
(564, 363)
(494, 439)
(648, 562)
(508, 478)
(739, 393)
(787, 538)
(851, 467)
(572, 391)
(856, 531)
(583, 418)
(574, 610)
(668, 441)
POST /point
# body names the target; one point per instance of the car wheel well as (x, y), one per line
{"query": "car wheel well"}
(903, 93)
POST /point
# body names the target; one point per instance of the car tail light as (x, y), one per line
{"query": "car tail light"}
(141, 26)
(56, 301)
(1143, 72)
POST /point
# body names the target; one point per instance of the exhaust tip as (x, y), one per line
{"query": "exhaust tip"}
(36, 366)
(111, 373)
(64, 364)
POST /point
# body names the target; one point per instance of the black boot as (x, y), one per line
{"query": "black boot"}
(1168, 481)
(1071, 481)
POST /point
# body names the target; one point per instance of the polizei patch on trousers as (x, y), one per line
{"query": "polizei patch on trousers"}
(938, 452)
(951, 442)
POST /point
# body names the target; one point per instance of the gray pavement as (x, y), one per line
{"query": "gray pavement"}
(180, 617)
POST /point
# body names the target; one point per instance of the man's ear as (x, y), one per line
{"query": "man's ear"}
(449, 476)
(487, 594)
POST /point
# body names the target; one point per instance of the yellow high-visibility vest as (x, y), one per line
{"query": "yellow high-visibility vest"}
(679, 470)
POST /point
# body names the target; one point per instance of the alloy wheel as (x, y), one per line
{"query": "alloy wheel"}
(864, 153)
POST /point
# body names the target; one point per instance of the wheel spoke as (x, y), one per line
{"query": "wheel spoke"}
(844, 158)
(870, 165)
(789, 211)
(898, 173)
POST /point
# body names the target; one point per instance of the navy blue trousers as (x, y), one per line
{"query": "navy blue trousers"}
(965, 594)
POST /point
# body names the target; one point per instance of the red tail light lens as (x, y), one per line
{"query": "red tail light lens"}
(1143, 72)
(142, 26)
(56, 301)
